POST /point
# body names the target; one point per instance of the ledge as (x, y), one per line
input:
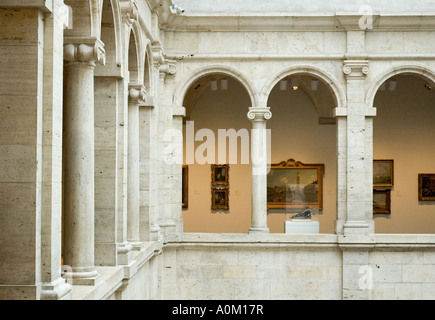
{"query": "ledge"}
(45, 5)
(112, 278)
(297, 21)
(280, 240)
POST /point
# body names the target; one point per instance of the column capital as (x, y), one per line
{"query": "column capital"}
(129, 10)
(136, 93)
(356, 68)
(259, 114)
(84, 49)
(168, 67)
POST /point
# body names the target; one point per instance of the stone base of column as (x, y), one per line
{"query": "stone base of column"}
(56, 290)
(124, 253)
(82, 276)
(358, 227)
(137, 245)
(254, 230)
(155, 234)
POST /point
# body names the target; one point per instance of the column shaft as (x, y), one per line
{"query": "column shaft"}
(79, 153)
(259, 160)
(137, 94)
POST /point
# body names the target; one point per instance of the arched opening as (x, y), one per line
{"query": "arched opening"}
(133, 59)
(217, 132)
(147, 77)
(404, 133)
(303, 129)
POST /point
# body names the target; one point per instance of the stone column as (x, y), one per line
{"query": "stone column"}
(81, 56)
(259, 160)
(136, 96)
(359, 151)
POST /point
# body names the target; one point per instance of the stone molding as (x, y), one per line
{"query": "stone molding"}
(90, 50)
(356, 68)
(259, 114)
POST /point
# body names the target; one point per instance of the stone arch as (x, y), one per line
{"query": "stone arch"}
(148, 70)
(134, 53)
(86, 18)
(110, 32)
(186, 82)
(417, 70)
(338, 93)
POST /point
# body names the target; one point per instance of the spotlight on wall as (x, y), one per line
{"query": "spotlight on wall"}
(314, 84)
(392, 85)
(224, 84)
(428, 86)
(214, 85)
(283, 85)
(176, 9)
(295, 84)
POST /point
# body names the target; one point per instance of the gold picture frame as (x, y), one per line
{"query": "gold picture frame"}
(294, 185)
(185, 187)
(220, 174)
(220, 199)
(381, 201)
(426, 187)
(383, 173)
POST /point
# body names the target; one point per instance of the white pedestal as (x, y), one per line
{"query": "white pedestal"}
(298, 226)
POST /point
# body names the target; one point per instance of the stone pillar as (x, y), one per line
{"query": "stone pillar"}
(81, 56)
(359, 151)
(136, 96)
(147, 136)
(259, 160)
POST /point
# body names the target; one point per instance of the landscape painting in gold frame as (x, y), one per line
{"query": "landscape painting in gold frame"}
(295, 185)
(383, 173)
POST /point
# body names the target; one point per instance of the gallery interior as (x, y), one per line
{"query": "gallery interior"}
(205, 150)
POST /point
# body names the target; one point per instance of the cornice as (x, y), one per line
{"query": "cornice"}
(327, 21)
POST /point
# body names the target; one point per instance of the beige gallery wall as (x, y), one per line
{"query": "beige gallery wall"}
(403, 131)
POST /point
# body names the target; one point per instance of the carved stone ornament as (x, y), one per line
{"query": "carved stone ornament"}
(259, 114)
(89, 50)
(168, 67)
(129, 10)
(136, 93)
(356, 68)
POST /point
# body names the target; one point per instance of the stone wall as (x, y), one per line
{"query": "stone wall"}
(301, 267)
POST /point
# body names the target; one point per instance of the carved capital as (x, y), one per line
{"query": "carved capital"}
(90, 50)
(168, 67)
(129, 11)
(136, 93)
(259, 114)
(356, 68)
(157, 52)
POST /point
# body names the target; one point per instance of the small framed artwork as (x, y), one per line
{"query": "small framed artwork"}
(383, 173)
(426, 187)
(185, 187)
(219, 199)
(382, 201)
(220, 174)
(294, 185)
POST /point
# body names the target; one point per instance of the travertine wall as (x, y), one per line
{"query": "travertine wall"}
(128, 61)
(301, 267)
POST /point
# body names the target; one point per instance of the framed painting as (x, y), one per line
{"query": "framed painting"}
(185, 187)
(383, 173)
(294, 185)
(382, 201)
(220, 199)
(220, 174)
(426, 187)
